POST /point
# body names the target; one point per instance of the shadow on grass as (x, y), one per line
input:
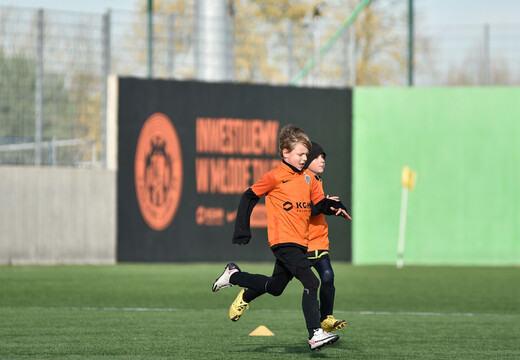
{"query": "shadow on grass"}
(293, 349)
(299, 351)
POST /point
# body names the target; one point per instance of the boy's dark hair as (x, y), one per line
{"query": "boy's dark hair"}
(290, 135)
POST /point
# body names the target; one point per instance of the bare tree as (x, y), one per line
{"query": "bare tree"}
(473, 70)
(271, 36)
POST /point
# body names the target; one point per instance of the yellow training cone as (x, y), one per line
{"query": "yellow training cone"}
(261, 331)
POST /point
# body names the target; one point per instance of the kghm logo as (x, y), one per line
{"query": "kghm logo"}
(287, 206)
(303, 205)
(158, 171)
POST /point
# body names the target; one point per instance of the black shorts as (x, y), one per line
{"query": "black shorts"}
(290, 263)
(292, 257)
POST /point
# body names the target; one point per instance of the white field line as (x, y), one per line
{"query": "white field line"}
(146, 309)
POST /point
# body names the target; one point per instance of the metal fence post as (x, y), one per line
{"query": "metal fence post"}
(53, 158)
(38, 91)
(487, 60)
(106, 71)
(345, 57)
(352, 55)
(230, 41)
(410, 42)
(290, 49)
(150, 39)
(171, 45)
(212, 38)
(313, 75)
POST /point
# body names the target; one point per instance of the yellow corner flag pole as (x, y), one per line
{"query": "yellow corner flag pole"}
(408, 178)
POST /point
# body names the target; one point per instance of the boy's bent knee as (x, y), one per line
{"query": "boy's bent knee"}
(327, 276)
(275, 288)
(276, 292)
(308, 279)
(312, 284)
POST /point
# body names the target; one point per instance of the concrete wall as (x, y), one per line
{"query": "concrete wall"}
(57, 216)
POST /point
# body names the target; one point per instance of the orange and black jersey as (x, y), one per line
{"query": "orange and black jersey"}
(289, 193)
(318, 228)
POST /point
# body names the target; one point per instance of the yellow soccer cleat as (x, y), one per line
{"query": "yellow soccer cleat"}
(331, 324)
(237, 307)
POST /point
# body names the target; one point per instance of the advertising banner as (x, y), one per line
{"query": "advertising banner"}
(188, 150)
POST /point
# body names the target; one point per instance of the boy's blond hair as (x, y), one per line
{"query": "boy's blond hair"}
(290, 136)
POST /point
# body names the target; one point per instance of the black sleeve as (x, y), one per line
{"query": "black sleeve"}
(247, 202)
(324, 206)
(314, 210)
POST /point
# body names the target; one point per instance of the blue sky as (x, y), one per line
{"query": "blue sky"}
(434, 12)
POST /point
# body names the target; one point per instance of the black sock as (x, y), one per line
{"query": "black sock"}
(247, 280)
(311, 310)
(251, 294)
(327, 292)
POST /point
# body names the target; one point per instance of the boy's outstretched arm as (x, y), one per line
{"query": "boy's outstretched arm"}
(242, 233)
(341, 212)
(329, 206)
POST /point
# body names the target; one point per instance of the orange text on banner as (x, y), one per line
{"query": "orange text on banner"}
(236, 136)
(230, 175)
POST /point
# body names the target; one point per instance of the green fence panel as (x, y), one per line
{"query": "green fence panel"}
(463, 143)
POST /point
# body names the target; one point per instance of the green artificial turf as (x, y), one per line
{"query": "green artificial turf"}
(167, 311)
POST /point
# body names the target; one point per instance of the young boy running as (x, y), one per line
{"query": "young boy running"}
(318, 249)
(317, 253)
(289, 191)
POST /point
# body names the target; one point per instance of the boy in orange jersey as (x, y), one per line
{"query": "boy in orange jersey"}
(289, 191)
(317, 253)
(318, 248)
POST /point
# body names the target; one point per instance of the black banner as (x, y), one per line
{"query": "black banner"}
(188, 150)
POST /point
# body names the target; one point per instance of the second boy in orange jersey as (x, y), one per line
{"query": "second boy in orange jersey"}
(289, 191)
(318, 249)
